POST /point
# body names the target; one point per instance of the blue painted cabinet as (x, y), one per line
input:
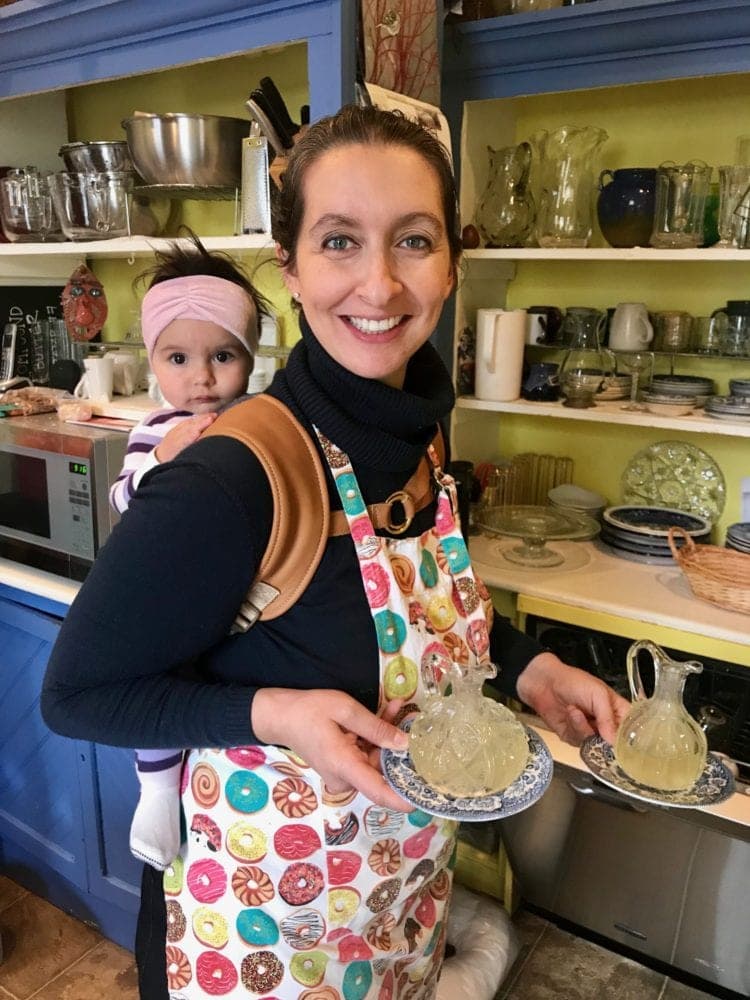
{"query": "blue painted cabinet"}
(65, 805)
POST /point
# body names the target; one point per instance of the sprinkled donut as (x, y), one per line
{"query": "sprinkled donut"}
(342, 905)
(210, 927)
(385, 857)
(384, 895)
(179, 972)
(457, 648)
(176, 923)
(247, 757)
(252, 886)
(257, 928)
(295, 841)
(404, 572)
(440, 886)
(205, 785)
(303, 929)
(261, 972)
(467, 595)
(246, 792)
(215, 973)
(301, 883)
(421, 871)
(335, 457)
(380, 821)
(379, 931)
(206, 880)
(441, 612)
(478, 637)
(341, 829)
(377, 584)
(246, 843)
(294, 798)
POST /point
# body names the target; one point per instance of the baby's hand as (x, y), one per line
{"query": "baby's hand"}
(185, 433)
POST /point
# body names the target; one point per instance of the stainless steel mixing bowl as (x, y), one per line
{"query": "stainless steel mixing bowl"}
(96, 157)
(196, 150)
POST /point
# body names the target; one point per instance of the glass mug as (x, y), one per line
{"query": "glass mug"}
(672, 330)
(681, 192)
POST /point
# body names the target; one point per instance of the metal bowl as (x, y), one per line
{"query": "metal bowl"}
(199, 150)
(96, 157)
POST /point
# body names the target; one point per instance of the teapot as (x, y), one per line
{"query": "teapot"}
(658, 743)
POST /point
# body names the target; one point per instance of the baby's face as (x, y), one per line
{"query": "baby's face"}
(199, 366)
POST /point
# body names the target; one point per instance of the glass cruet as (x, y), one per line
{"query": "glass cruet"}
(658, 743)
(505, 213)
(463, 743)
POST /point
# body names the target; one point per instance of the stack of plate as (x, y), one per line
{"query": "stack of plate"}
(640, 533)
(740, 387)
(738, 537)
(574, 499)
(616, 387)
(728, 408)
(697, 386)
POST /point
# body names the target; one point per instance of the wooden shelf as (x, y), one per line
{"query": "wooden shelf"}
(130, 246)
(611, 412)
(643, 254)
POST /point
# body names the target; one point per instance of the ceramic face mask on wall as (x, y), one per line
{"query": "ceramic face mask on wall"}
(84, 304)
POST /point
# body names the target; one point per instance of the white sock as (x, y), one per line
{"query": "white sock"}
(155, 830)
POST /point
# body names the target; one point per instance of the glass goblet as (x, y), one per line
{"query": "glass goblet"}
(637, 363)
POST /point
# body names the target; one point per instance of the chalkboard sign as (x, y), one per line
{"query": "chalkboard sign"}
(26, 305)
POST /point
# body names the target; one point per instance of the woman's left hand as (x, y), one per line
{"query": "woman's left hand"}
(573, 703)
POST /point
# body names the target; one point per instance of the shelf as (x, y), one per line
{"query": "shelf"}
(648, 255)
(610, 412)
(129, 246)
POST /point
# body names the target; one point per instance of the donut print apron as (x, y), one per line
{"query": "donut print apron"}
(285, 890)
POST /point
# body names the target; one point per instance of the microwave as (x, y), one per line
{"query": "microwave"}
(54, 492)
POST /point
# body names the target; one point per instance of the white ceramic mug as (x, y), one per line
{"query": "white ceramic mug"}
(501, 336)
(536, 328)
(96, 383)
(630, 328)
(124, 373)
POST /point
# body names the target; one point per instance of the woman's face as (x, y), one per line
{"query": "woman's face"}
(373, 265)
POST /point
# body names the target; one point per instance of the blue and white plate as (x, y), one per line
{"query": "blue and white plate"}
(715, 785)
(528, 787)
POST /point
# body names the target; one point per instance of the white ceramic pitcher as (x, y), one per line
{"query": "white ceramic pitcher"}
(630, 328)
(501, 335)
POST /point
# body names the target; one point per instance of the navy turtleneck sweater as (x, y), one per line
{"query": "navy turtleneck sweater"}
(144, 657)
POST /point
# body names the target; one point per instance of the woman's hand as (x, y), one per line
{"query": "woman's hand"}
(335, 735)
(572, 702)
(182, 434)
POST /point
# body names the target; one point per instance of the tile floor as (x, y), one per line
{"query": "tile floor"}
(50, 956)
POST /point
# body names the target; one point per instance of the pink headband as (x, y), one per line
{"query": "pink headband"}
(204, 297)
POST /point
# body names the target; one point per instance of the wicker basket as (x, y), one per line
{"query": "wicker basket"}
(721, 576)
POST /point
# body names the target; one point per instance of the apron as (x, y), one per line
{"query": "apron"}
(285, 890)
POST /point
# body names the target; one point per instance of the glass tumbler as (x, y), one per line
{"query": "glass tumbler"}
(26, 210)
(681, 191)
(733, 183)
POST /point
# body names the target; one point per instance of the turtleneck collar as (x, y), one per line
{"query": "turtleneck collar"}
(375, 424)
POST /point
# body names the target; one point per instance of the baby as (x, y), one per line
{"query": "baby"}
(201, 325)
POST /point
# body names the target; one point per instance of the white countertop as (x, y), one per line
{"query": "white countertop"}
(38, 582)
(593, 579)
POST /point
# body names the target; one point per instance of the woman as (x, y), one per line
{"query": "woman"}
(309, 877)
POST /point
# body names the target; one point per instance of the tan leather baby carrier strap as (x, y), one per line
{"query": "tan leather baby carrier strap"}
(301, 513)
(302, 519)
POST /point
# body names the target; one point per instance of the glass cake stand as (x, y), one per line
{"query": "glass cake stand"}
(534, 526)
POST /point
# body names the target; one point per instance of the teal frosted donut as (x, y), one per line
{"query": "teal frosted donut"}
(257, 928)
(418, 818)
(390, 629)
(357, 981)
(456, 553)
(246, 792)
(428, 571)
(351, 498)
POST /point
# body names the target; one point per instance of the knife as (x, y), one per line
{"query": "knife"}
(278, 106)
(258, 115)
(277, 124)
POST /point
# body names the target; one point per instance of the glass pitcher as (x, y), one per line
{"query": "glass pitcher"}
(587, 366)
(463, 743)
(658, 743)
(681, 191)
(505, 214)
(565, 216)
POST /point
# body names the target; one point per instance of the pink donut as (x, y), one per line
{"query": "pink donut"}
(248, 757)
(478, 637)
(444, 520)
(206, 880)
(376, 583)
(366, 544)
(436, 660)
(215, 973)
(301, 883)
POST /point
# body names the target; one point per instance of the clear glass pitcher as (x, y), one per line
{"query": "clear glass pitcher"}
(587, 366)
(658, 743)
(681, 191)
(505, 214)
(463, 743)
(568, 173)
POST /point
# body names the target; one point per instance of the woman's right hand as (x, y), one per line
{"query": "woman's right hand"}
(334, 735)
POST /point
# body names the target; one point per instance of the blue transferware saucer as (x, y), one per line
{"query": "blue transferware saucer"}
(528, 787)
(716, 783)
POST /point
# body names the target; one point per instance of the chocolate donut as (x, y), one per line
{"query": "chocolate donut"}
(421, 871)
(301, 883)
(252, 886)
(341, 829)
(176, 923)
(468, 595)
(384, 895)
(440, 886)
